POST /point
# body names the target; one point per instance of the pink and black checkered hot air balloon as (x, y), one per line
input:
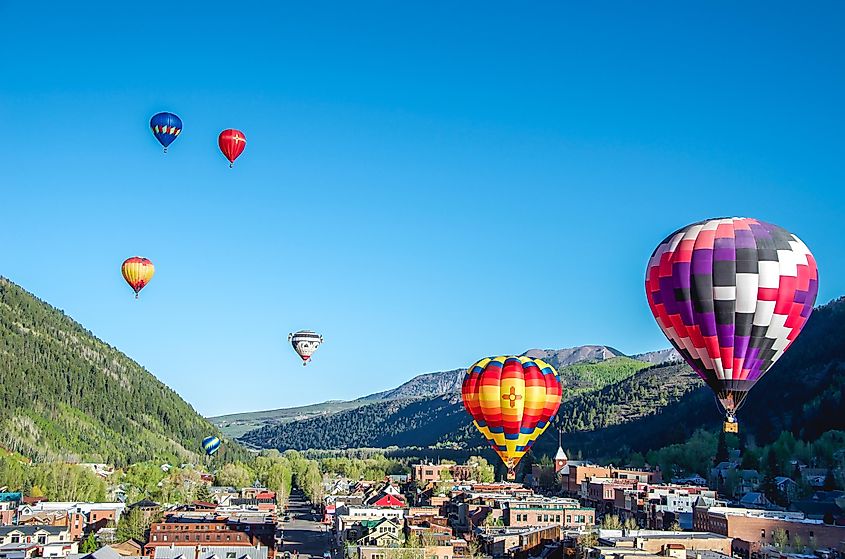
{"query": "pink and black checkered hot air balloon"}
(731, 294)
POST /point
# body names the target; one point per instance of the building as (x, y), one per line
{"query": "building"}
(517, 542)
(94, 516)
(197, 530)
(564, 513)
(22, 542)
(574, 474)
(666, 543)
(756, 528)
(9, 503)
(427, 473)
(428, 552)
(147, 507)
(211, 552)
(379, 533)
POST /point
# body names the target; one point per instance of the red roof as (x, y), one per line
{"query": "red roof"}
(388, 500)
(266, 495)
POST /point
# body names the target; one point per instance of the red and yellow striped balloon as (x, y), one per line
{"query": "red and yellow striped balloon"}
(137, 272)
(511, 400)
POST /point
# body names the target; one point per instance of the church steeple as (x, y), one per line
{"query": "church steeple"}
(560, 456)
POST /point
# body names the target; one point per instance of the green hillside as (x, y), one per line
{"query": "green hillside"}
(68, 396)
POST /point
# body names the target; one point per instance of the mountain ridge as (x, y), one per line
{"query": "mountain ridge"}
(653, 406)
(423, 385)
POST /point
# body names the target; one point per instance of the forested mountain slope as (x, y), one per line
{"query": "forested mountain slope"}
(66, 395)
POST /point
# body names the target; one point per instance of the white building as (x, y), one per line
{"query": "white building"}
(23, 542)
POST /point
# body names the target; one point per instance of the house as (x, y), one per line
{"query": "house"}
(128, 548)
(787, 487)
(754, 500)
(385, 499)
(21, 542)
(380, 533)
(814, 477)
(105, 552)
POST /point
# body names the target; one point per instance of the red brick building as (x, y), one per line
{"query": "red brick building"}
(755, 528)
(211, 530)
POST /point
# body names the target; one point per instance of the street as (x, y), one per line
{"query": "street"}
(303, 534)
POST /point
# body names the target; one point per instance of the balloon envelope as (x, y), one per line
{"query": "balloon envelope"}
(137, 271)
(731, 294)
(232, 143)
(305, 343)
(511, 400)
(210, 445)
(166, 127)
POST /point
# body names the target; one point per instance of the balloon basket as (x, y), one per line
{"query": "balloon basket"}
(511, 474)
(231, 165)
(730, 427)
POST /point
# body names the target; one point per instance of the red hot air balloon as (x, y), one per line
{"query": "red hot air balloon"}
(232, 143)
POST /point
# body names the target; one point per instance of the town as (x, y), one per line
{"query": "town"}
(562, 508)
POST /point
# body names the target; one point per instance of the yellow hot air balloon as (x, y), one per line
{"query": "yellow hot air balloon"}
(137, 272)
(511, 400)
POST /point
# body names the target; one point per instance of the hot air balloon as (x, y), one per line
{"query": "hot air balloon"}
(232, 143)
(210, 445)
(511, 400)
(731, 294)
(137, 272)
(166, 127)
(305, 343)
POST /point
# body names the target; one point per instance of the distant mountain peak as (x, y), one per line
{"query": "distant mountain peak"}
(558, 358)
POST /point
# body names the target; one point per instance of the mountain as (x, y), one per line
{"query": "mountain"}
(428, 384)
(414, 418)
(670, 355)
(434, 384)
(69, 396)
(611, 407)
(559, 358)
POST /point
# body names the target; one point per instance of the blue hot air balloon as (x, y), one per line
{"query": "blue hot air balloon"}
(165, 127)
(210, 445)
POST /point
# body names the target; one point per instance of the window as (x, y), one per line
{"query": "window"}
(164, 538)
(230, 555)
(42, 539)
(762, 534)
(155, 538)
(16, 538)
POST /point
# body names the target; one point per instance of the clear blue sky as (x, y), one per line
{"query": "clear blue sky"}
(424, 183)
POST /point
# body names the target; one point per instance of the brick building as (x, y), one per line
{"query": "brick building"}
(755, 528)
(197, 530)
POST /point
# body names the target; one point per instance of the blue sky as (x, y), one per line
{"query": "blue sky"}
(424, 183)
